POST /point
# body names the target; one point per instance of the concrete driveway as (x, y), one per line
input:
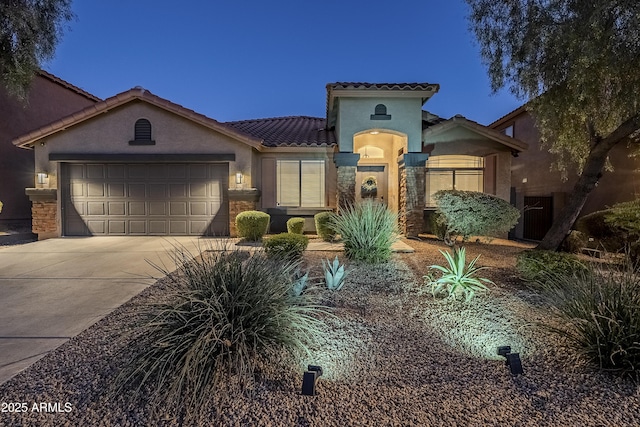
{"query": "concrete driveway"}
(52, 290)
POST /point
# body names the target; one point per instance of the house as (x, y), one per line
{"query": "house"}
(49, 99)
(138, 164)
(541, 193)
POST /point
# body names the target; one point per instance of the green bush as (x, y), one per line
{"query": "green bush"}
(534, 266)
(600, 316)
(287, 245)
(472, 213)
(607, 236)
(324, 226)
(232, 313)
(625, 217)
(252, 225)
(368, 229)
(437, 225)
(575, 241)
(295, 225)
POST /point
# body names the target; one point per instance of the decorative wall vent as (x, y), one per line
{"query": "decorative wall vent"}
(142, 133)
(380, 113)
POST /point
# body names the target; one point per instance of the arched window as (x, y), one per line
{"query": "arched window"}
(380, 113)
(142, 133)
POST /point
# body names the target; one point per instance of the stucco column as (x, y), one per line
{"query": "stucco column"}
(44, 208)
(412, 193)
(240, 201)
(346, 185)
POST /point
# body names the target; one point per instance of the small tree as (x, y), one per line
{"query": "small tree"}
(471, 213)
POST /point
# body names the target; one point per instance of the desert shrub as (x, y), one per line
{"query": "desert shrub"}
(437, 225)
(625, 217)
(231, 313)
(324, 226)
(600, 316)
(334, 274)
(575, 241)
(368, 229)
(534, 266)
(472, 213)
(457, 278)
(295, 225)
(287, 245)
(607, 236)
(252, 225)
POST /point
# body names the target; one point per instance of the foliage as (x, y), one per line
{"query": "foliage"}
(576, 63)
(232, 312)
(600, 316)
(368, 229)
(575, 241)
(252, 225)
(626, 217)
(534, 266)
(285, 245)
(324, 226)
(300, 282)
(470, 213)
(437, 225)
(334, 274)
(295, 225)
(29, 33)
(606, 235)
(458, 278)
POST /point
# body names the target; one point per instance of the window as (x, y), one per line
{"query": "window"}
(300, 183)
(453, 173)
(508, 131)
(142, 133)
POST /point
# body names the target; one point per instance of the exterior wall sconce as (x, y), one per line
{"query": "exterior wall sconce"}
(41, 177)
(239, 179)
(513, 360)
(309, 380)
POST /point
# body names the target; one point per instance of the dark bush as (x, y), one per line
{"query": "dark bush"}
(534, 266)
(252, 225)
(600, 316)
(605, 236)
(285, 245)
(324, 226)
(295, 225)
(575, 241)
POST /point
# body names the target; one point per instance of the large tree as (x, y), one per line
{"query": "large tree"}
(577, 63)
(29, 33)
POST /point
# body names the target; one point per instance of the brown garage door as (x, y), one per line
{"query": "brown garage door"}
(145, 199)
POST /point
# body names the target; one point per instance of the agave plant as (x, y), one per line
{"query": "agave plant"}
(334, 274)
(458, 278)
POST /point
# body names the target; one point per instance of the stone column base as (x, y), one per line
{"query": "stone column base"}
(240, 201)
(44, 212)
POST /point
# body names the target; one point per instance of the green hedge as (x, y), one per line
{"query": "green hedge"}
(252, 225)
(285, 245)
(606, 236)
(295, 225)
(324, 226)
(537, 266)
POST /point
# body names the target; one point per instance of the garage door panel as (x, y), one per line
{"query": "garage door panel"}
(158, 208)
(96, 208)
(139, 199)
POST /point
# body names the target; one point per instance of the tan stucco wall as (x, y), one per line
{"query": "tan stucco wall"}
(110, 133)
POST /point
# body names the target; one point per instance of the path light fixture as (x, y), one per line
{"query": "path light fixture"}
(513, 360)
(309, 380)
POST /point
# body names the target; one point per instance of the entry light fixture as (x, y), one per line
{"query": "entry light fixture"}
(374, 132)
(42, 177)
(239, 178)
(513, 360)
(309, 380)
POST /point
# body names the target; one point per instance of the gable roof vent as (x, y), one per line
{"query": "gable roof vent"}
(142, 133)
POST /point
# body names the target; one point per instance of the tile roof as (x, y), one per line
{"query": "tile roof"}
(384, 86)
(509, 116)
(293, 131)
(135, 94)
(68, 85)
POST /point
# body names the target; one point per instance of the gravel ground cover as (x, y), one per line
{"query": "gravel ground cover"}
(392, 356)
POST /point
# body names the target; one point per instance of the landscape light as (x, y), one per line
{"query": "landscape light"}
(512, 360)
(309, 380)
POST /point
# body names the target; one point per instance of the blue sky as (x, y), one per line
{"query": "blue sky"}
(245, 59)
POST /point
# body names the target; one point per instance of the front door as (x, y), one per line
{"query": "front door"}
(371, 183)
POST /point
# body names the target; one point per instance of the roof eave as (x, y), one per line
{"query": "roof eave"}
(512, 143)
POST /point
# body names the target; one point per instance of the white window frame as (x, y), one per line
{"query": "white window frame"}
(300, 183)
